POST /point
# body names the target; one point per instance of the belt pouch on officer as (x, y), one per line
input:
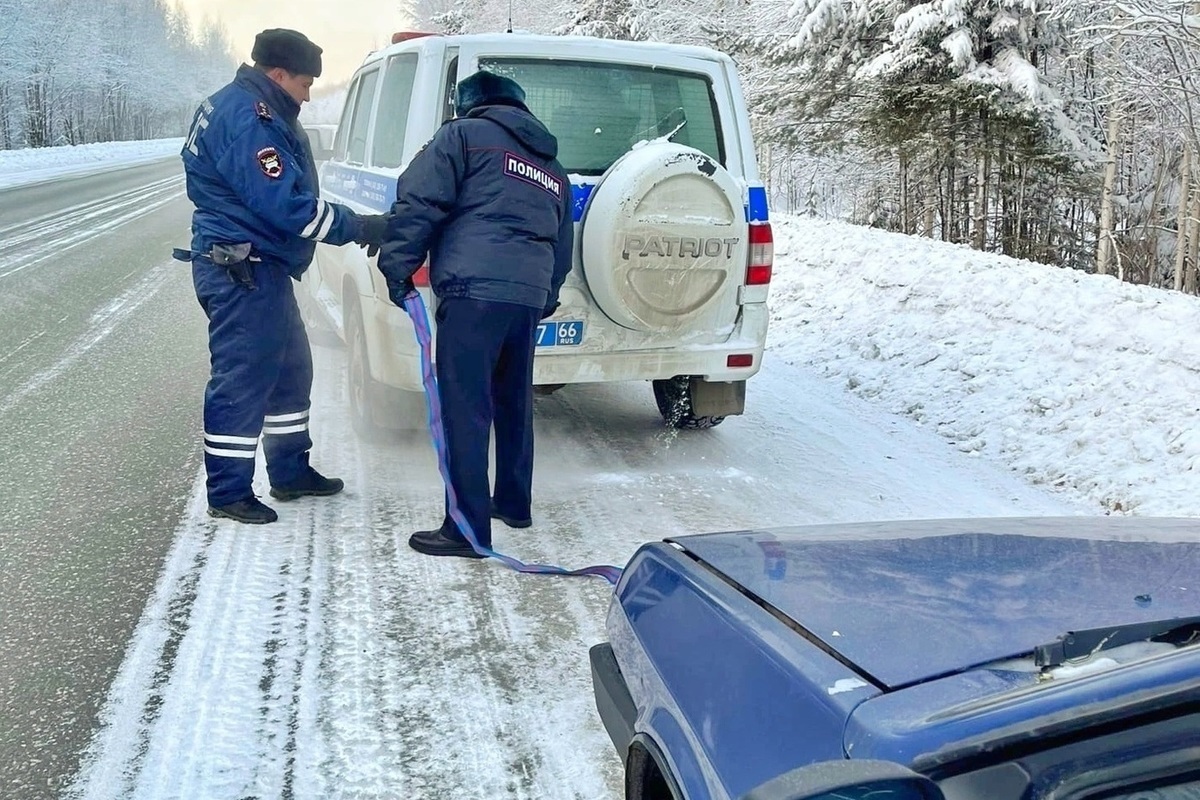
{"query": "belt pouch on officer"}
(234, 259)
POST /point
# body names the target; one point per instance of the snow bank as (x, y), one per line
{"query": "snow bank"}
(1080, 382)
(20, 167)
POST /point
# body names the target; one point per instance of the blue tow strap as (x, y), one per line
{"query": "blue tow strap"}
(415, 306)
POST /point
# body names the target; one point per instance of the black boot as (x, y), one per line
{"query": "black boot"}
(441, 542)
(511, 522)
(311, 484)
(249, 511)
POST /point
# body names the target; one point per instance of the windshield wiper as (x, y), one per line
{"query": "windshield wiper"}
(1079, 644)
(674, 121)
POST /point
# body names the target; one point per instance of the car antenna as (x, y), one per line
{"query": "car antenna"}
(509, 17)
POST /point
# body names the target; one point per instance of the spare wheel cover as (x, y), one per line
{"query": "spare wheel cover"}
(664, 240)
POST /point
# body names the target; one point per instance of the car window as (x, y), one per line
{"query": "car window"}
(339, 144)
(314, 140)
(392, 119)
(449, 89)
(599, 110)
(356, 150)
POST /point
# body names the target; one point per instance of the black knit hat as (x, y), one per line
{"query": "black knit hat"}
(485, 89)
(280, 47)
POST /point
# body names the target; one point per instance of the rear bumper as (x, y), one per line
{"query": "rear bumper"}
(401, 368)
(709, 363)
(624, 356)
(397, 362)
(613, 700)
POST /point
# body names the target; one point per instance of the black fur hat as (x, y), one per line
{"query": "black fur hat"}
(486, 89)
(292, 50)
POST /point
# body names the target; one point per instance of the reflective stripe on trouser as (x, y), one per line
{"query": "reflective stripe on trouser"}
(260, 381)
(485, 374)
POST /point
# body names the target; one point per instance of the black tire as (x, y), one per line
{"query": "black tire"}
(674, 398)
(377, 412)
(361, 388)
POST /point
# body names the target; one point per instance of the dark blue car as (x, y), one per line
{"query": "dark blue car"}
(990, 658)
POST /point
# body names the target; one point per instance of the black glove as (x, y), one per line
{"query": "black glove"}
(398, 290)
(548, 311)
(372, 230)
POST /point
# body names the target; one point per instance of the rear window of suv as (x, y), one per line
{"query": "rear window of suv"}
(598, 110)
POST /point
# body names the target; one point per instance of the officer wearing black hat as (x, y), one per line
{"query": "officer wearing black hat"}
(258, 217)
(489, 202)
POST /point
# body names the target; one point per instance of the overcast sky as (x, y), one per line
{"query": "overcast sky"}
(346, 30)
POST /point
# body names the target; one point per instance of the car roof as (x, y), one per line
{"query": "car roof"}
(909, 601)
(532, 42)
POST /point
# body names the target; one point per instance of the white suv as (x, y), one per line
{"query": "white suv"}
(673, 248)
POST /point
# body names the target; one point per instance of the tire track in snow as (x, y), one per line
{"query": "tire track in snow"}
(361, 754)
(208, 701)
(484, 708)
(209, 715)
(282, 669)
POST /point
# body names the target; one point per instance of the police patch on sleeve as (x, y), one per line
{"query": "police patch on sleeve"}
(270, 162)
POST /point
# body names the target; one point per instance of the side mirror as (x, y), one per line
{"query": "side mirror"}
(848, 780)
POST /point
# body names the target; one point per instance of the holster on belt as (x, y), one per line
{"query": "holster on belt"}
(233, 258)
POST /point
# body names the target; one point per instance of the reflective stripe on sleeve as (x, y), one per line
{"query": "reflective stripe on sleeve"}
(326, 226)
(315, 224)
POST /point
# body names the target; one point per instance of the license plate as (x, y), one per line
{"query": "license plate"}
(560, 333)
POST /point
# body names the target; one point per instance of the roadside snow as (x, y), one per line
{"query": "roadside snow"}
(1078, 382)
(20, 167)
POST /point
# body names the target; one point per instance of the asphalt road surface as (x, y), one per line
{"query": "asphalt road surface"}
(102, 364)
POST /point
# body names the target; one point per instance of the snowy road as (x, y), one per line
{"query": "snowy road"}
(322, 658)
(319, 657)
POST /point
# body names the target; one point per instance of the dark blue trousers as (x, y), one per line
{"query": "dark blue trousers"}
(485, 378)
(260, 382)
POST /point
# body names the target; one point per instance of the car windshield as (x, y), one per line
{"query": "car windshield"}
(599, 110)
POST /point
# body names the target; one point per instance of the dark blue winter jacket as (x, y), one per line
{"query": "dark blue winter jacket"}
(490, 204)
(251, 176)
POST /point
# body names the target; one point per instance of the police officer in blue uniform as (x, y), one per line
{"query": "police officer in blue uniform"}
(251, 176)
(491, 205)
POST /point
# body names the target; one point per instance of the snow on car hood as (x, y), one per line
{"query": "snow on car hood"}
(913, 600)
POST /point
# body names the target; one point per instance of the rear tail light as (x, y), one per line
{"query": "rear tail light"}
(421, 276)
(740, 360)
(762, 254)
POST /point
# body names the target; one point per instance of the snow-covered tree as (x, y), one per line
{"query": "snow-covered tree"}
(484, 16)
(75, 71)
